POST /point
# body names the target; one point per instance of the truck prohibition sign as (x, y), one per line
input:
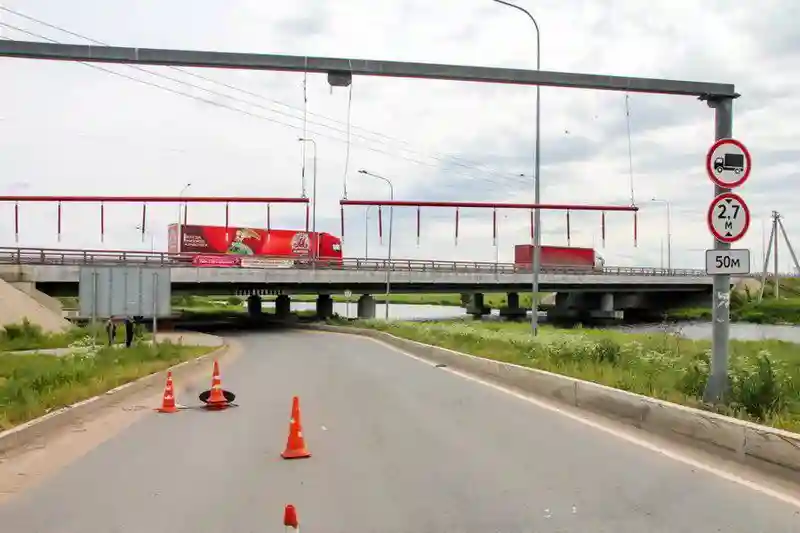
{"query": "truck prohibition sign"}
(735, 262)
(728, 163)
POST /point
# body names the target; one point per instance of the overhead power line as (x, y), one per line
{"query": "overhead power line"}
(505, 184)
(439, 156)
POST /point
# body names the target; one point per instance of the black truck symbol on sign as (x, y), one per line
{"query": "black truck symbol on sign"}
(733, 162)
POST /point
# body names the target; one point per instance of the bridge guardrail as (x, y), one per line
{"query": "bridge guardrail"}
(55, 256)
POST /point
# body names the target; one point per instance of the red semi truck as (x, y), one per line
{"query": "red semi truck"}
(558, 257)
(247, 243)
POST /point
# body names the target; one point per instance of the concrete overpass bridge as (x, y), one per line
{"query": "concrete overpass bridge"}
(580, 293)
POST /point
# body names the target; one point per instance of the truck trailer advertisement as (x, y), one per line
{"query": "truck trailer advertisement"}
(279, 243)
(559, 257)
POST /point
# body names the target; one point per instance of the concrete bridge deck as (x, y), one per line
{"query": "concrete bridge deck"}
(215, 280)
(583, 293)
(60, 268)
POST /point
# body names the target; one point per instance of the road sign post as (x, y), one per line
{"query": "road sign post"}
(728, 165)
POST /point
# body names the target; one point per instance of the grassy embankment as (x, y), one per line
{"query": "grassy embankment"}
(32, 385)
(765, 375)
(745, 306)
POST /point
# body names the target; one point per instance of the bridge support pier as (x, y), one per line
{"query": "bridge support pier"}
(513, 311)
(254, 308)
(586, 306)
(324, 306)
(366, 307)
(283, 306)
(607, 302)
(476, 308)
(606, 311)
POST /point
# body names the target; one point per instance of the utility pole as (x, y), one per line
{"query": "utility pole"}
(772, 248)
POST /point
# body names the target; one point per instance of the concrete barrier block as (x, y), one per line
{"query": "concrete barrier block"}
(774, 446)
(615, 403)
(671, 419)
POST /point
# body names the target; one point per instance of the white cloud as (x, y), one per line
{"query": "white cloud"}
(70, 129)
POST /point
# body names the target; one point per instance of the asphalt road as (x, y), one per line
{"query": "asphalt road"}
(398, 445)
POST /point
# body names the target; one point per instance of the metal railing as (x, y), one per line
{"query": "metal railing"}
(55, 256)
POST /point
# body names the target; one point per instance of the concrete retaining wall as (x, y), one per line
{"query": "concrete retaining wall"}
(16, 305)
(45, 300)
(745, 440)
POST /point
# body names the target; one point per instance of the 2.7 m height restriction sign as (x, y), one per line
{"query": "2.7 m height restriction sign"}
(728, 217)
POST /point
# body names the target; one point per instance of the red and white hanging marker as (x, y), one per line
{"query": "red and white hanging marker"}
(728, 217)
(728, 163)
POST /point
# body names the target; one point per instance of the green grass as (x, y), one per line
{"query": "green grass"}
(745, 306)
(33, 385)
(27, 336)
(68, 302)
(765, 375)
(769, 311)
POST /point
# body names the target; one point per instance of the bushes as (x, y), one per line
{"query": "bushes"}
(27, 336)
(765, 375)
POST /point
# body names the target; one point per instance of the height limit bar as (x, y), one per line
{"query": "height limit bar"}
(362, 67)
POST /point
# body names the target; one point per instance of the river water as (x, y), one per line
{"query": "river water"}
(692, 330)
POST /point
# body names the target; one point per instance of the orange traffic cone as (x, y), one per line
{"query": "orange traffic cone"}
(216, 397)
(295, 444)
(290, 518)
(168, 403)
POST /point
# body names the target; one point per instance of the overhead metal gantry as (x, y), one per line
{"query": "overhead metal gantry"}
(358, 67)
(339, 70)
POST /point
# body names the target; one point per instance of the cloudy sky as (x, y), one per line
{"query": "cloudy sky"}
(71, 129)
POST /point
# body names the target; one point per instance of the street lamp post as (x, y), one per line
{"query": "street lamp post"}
(537, 231)
(391, 224)
(669, 230)
(180, 225)
(314, 201)
(152, 237)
